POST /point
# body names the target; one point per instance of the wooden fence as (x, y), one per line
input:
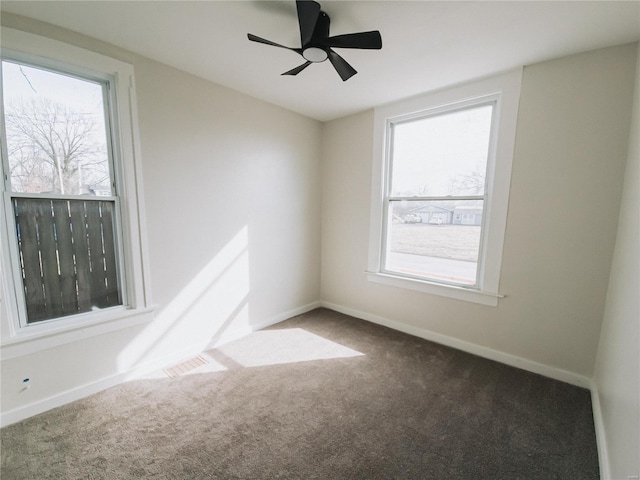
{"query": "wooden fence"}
(67, 255)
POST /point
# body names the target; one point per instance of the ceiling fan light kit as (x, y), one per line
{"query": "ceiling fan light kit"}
(316, 44)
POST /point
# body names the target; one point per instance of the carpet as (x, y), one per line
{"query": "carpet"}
(319, 396)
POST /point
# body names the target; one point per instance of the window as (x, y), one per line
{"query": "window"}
(70, 188)
(440, 189)
(62, 192)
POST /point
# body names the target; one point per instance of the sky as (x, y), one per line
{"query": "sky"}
(24, 83)
(31, 83)
(429, 153)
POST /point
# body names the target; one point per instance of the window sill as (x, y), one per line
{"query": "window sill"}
(451, 291)
(30, 340)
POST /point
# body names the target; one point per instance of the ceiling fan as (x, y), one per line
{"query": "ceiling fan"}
(316, 43)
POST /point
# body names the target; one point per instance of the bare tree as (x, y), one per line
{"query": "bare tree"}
(53, 148)
(472, 183)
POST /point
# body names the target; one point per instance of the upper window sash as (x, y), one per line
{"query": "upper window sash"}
(40, 68)
(393, 124)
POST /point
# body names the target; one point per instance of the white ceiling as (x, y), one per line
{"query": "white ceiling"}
(426, 44)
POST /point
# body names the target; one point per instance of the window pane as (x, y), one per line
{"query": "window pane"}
(56, 135)
(442, 154)
(435, 240)
(67, 256)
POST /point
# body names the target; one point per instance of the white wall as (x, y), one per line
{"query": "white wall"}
(232, 193)
(571, 147)
(617, 376)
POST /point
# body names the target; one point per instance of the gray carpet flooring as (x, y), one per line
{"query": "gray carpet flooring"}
(319, 396)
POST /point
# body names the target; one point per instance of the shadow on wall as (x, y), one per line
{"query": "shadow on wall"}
(211, 309)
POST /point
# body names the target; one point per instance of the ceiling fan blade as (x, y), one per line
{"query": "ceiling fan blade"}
(253, 38)
(297, 70)
(345, 70)
(367, 40)
(308, 12)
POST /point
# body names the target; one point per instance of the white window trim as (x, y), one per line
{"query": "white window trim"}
(129, 183)
(504, 87)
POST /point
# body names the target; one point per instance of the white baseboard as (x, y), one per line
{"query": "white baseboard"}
(286, 315)
(498, 356)
(601, 439)
(62, 398)
(59, 399)
(82, 391)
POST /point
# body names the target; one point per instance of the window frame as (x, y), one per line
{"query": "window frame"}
(125, 159)
(389, 198)
(110, 114)
(502, 89)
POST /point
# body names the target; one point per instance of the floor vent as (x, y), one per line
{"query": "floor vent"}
(185, 367)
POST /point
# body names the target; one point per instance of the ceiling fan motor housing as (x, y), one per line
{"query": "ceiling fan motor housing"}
(315, 54)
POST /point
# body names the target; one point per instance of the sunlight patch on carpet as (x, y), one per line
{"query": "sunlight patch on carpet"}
(291, 345)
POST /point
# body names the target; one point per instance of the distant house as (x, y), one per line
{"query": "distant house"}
(467, 215)
(435, 215)
(460, 215)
